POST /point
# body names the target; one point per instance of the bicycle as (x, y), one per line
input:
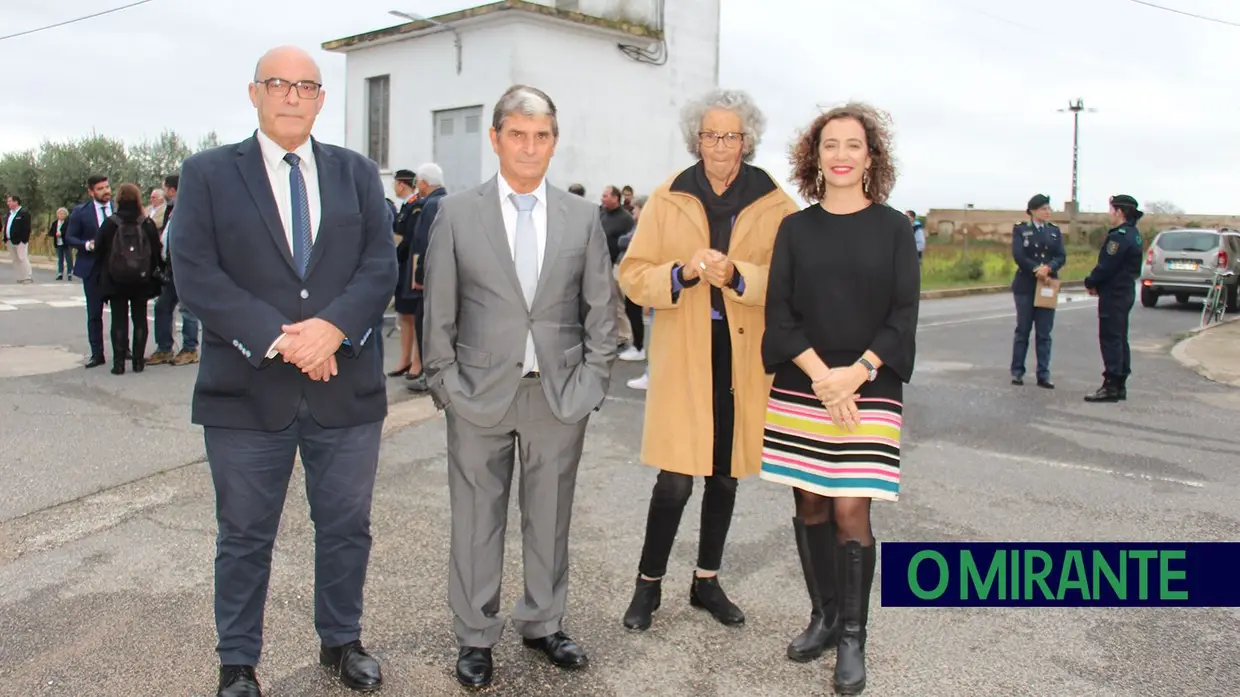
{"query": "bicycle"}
(1215, 305)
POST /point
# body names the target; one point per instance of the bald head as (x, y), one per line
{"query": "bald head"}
(288, 62)
(287, 92)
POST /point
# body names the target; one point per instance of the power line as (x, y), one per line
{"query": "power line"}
(77, 19)
(1216, 20)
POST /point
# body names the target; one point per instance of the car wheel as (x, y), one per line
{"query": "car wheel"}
(1149, 298)
(1233, 303)
(1181, 298)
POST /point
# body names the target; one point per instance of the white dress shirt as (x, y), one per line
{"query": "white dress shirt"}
(277, 173)
(509, 210)
(8, 226)
(103, 211)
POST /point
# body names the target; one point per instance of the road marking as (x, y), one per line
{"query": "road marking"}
(985, 318)
(23, 301)
(66, 303)
(1080, 467)
(6, 308)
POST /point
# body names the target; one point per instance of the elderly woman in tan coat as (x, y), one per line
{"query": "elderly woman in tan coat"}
(699, 258)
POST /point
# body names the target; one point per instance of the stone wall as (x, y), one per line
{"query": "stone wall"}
(991, 224)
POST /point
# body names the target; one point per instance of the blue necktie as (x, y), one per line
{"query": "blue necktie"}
(302, 240)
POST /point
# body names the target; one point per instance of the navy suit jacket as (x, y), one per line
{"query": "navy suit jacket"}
(83, 227)
(234, 271)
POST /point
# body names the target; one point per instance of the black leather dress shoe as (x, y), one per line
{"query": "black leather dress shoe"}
(563, 651)
(1017, 380)
(474, 667)
(356, 668)
(1046, 384)
(238, 681)
(95, 362)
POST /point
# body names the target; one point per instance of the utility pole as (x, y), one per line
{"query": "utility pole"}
(1074, 205)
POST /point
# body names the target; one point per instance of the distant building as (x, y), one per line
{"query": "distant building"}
(618, 71)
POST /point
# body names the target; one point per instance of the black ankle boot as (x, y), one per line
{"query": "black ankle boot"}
(816, 546)
(1109, 392)
(647, 597)
(855, 571)
(707, 594)
(138, 353)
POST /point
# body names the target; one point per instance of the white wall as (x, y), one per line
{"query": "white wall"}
(619, 119)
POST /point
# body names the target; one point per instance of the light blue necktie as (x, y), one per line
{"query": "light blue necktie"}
(302, 240)
(526, 247)
(525, 256)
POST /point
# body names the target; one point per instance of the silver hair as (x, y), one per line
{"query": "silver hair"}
(753, 122)
(158, 191)
(431, 173)
(526, 100)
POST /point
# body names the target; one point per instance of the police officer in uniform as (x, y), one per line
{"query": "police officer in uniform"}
(1113, 280)
(1037, 248)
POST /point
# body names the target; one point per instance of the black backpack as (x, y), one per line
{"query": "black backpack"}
(129, 257)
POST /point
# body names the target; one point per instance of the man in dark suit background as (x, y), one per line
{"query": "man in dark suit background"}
(284, 250)
(84, 225)
(17, 234)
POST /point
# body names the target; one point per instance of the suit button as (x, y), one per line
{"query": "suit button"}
(304, 293)
(740, 330)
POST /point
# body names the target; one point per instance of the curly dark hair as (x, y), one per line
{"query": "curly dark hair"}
(803, 156)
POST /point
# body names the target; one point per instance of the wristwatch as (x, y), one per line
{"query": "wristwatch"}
(873, 372)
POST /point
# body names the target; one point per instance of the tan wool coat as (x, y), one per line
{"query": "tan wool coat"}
(679, 423)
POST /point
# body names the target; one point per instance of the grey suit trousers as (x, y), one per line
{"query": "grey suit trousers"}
(480, 468)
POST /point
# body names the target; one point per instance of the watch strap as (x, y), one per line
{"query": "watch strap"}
(869, 367)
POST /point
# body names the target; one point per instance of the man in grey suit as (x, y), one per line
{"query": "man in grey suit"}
(283, 247)
(520, 339)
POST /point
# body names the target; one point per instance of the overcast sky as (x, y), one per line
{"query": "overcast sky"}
(973, 85)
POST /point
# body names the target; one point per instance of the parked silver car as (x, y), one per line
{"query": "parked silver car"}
(1182, 262)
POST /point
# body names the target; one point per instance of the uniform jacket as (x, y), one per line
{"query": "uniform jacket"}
(1032, 247)
(1119, 261)
(679, 422)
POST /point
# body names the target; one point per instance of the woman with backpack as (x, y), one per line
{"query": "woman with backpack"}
(128, 245)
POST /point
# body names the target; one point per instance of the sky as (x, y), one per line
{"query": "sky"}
(974, 87)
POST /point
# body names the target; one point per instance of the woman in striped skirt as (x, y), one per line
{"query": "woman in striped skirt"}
(841, 320)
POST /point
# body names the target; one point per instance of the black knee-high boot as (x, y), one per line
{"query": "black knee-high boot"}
(120, 345)
(816, 547)
(139, 348)
(855, 571)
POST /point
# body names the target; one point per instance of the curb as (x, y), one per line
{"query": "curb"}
(1180, 353)
(925, 294)
(985, 290)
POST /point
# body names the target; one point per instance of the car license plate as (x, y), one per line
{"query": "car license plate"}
(1182, 265)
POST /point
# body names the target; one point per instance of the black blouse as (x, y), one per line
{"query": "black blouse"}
(841, 285)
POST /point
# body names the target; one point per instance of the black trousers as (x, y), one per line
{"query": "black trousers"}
(672, 490)
(94, 313)
(1114, 306)
(126, 308)
(251, 471)
(634, 312)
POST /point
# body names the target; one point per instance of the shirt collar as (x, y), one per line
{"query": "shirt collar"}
(274, 154)
(539, 192)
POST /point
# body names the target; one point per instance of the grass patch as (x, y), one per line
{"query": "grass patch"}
(988, 263)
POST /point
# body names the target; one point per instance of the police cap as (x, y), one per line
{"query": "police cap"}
(1124, 200)
(1037, 202)
(405, 175)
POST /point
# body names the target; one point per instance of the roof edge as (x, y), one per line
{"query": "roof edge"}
(349, 43)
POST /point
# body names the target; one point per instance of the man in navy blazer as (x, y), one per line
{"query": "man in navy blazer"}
(82, 230)
(284, 250)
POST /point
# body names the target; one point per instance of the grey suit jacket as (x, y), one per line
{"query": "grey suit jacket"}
(476, 319)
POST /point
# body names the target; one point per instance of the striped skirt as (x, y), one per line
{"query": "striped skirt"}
(802, 448)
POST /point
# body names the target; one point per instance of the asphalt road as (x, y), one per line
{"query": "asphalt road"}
(106, 532)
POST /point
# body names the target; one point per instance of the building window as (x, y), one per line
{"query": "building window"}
(378, 102)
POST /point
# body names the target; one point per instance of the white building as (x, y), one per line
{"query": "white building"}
(618, 71)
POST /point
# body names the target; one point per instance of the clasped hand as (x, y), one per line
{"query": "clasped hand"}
(837, 390)
(712, 265)
(311, 345)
